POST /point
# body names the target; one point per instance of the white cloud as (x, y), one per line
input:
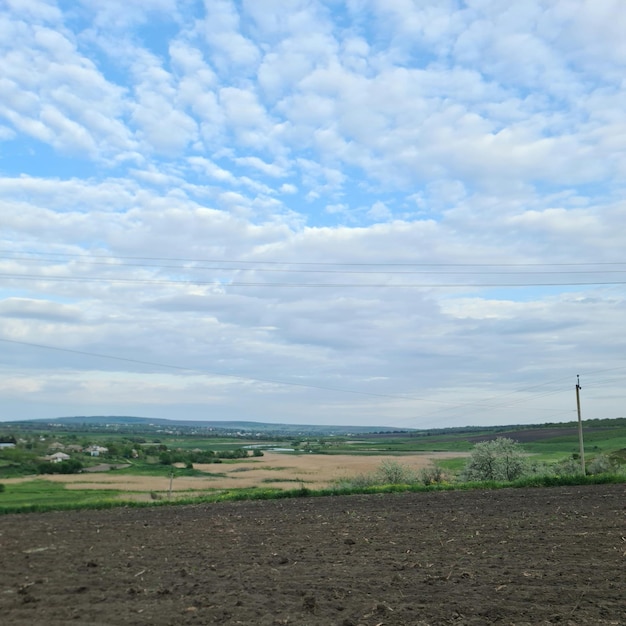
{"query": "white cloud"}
(163, 124)
(379, 212)
(58, 96)
(212, 170)
(25, 308)
(39, 10)
(221, 30)
(342, 195)
(271, 169)
(122, 14)
(6, 133)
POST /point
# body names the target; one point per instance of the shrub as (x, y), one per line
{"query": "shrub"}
(72, 466)
(360, 481)
(567, 467)
(388, 473)
(601, 465)
(499, 459)
(166, 458)
(394, 473)
(1, 487)
(432, 475)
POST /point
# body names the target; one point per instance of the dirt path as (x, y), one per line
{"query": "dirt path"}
(534, 556)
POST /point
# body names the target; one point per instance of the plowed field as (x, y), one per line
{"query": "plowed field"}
(534, 556)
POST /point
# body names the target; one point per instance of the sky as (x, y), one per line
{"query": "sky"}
(398, 213)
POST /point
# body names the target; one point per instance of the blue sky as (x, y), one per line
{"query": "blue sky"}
(381, 212)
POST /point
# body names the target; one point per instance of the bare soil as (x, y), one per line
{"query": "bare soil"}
(514, 556)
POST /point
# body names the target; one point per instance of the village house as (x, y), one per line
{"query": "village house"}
(96, 450)
(57, 457)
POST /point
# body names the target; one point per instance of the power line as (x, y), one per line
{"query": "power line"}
(226, 283)
(221, 374)
(307, 270)
(482, 405)
(320, 263)
(451, 406)
(591, 374)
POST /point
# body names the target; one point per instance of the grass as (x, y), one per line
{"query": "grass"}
(41, 495)
(595, 440)
(44, 495)
(401, 445)
(452, 466)
(282, 480)
(157, 469)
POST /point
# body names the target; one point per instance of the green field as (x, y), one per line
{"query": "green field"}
(45, 495)
(166, 455)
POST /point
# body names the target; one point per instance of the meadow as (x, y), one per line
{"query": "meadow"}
(159, 468)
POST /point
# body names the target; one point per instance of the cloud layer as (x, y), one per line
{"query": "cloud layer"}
(375, 212)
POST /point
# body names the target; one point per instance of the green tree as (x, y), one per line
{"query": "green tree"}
(166, 458)
(71, 466)
(499, 459)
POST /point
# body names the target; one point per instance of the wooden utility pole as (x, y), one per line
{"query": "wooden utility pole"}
(581, 445)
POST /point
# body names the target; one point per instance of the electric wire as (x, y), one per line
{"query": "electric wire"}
(224, 283)
(220, 374)
(255, 267)
(322, 263)
(422, 420)
(308, 270)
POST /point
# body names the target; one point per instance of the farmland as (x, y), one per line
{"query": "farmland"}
(507, 556)
(512, 556)
(276, 470)
(160, 464)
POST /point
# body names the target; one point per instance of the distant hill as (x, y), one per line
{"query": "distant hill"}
(136, 425)
(126, 423)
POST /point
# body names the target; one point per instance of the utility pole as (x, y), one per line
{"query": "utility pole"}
(580, 426)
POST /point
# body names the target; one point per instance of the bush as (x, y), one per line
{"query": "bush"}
(567, 467)
(387, 473)
(360, 481)
(500, 459)
(64, 467)
(236, 453)
(166, 458)
(601, 465)
(432, 475)
(394, 473)
(2, 487)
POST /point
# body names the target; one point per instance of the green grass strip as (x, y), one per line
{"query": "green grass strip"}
(53, 499)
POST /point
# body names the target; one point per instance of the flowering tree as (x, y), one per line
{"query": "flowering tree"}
(499, 459)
